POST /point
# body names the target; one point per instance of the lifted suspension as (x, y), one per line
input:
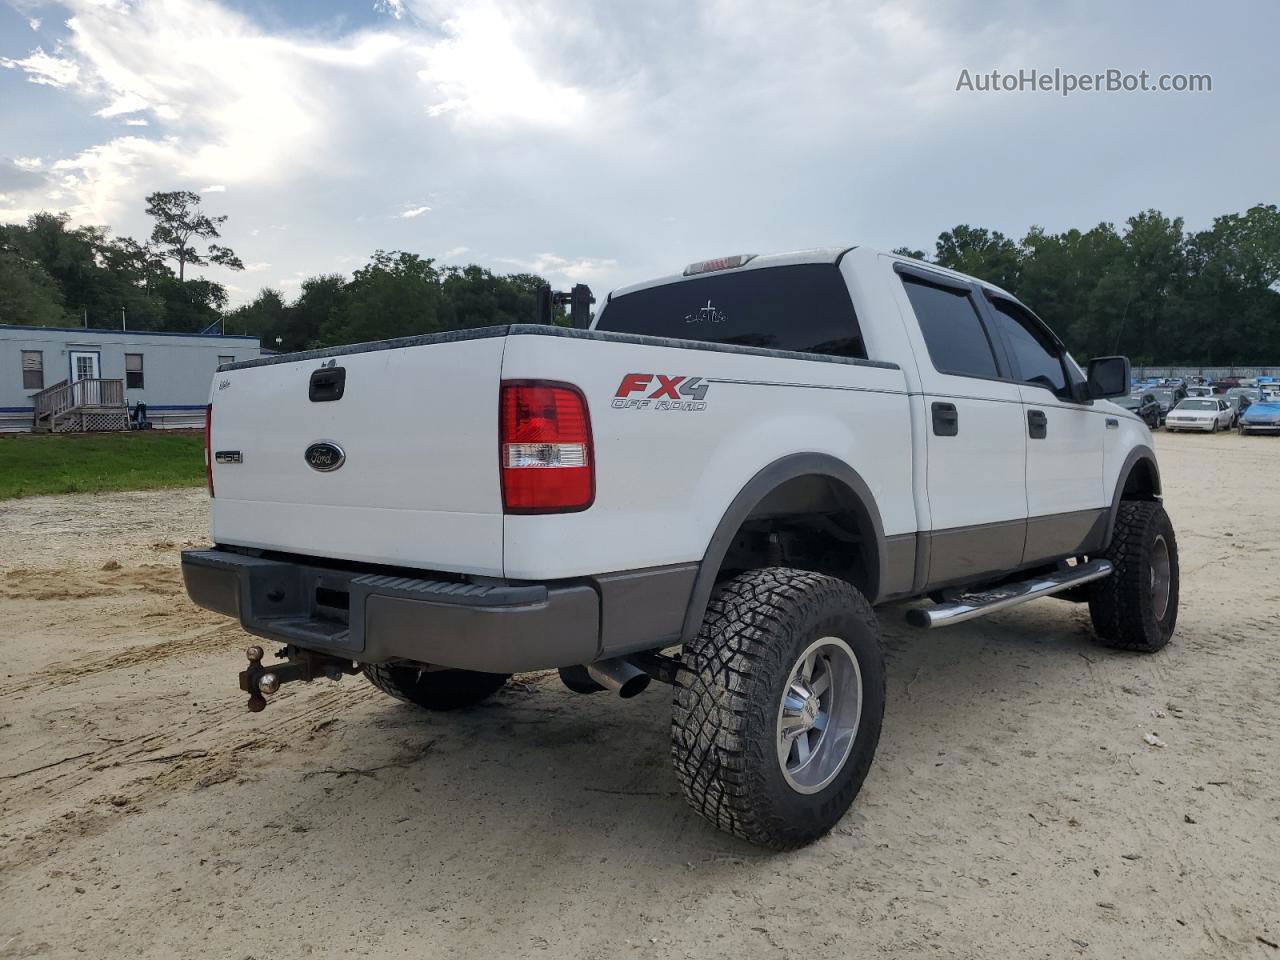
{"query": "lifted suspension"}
(259, 681)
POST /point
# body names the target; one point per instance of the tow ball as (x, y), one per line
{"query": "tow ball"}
(260, 682)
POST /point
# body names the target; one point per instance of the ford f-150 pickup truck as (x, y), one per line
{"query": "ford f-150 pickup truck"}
(713, 486)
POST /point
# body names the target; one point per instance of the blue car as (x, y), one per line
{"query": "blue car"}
(1261, 416)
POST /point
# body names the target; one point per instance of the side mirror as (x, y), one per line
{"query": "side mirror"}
(1108, 377)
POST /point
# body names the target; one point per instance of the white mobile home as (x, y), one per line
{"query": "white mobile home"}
(76, 378)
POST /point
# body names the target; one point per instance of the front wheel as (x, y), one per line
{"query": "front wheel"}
(778, 705)
(434, 689)
(1136, 608)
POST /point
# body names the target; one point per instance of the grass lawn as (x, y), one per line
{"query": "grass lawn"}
(36, 464)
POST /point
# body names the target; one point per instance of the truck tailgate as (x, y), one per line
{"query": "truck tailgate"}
(418, 486)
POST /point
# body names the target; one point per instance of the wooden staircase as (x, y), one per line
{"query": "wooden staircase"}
(80, 405)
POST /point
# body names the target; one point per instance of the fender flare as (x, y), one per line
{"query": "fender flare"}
(750, 496)
(1139, 453)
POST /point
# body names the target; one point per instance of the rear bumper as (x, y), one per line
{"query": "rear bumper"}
(493, 627)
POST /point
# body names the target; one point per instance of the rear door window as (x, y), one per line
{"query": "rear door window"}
(957, 340)
(804, 307)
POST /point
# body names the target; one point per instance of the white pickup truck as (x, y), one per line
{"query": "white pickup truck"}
(713, 486)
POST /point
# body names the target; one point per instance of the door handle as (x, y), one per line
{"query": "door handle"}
(1113, 423)
(1037, 424)
(946, 420)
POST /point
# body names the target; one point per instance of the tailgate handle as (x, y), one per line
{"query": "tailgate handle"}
(327, 383)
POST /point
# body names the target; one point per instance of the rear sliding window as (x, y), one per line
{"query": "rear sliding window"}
(805, 307)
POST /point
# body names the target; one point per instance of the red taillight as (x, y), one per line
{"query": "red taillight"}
(544, 448)
(208, 453)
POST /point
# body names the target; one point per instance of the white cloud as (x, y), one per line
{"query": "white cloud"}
(33, 23)
(393, 8)
(578, 270)
(99, 176)
(28, 163)
(256, 267)
(483, 73)
(412, 212)
(44, 68)
(136, 122)
(125, 103)
(454, 252)
(214, 188)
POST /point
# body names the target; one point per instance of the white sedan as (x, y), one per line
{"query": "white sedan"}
(1209, 414)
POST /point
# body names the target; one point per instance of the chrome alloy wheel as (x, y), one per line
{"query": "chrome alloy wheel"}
(1160, 578)
(819, 714)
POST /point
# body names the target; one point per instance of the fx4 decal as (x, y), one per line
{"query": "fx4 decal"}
(657, 391)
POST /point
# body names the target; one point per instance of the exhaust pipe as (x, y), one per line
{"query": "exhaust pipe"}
(619, 675)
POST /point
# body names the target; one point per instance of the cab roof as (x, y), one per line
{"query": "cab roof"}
(792, 257)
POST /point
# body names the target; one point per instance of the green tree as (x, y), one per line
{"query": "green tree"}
(263, 317)
(987, 254)
(397, 294)
(315, 309)
(191, 306)
(181, 225)
(28, 295)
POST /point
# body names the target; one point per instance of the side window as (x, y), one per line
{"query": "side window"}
(133, 378)
(226, 359)
(953, 331)
(1035, 356)
(32, 370)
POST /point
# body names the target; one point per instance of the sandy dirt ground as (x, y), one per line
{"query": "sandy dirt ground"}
(1014, 809)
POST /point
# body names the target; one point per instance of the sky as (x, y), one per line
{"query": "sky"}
(609, 142)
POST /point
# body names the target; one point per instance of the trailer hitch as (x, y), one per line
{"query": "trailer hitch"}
(259, 681)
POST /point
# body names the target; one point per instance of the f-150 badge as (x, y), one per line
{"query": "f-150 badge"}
(657, 391)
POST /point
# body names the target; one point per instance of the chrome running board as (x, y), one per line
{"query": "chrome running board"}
(971, 605)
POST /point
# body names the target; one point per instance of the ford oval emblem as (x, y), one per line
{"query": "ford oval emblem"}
(325, 456)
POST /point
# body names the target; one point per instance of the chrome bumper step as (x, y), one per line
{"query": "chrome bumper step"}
(972, 605)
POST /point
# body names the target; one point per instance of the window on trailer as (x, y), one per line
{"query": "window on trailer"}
(133, 378)
(32, 370)
(226, 359)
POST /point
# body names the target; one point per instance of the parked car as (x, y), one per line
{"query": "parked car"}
(1144, 405)
(1239, 399)
(1168, 398)
(1209, 414)
(1200, 391)
(729, 461)
(1261, 417)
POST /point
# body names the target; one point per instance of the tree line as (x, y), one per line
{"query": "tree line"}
(54, 274)
(1149, 289)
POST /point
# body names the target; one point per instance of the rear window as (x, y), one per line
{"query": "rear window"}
(805, 307)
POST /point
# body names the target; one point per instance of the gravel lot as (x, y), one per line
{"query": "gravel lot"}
(1014, 808)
